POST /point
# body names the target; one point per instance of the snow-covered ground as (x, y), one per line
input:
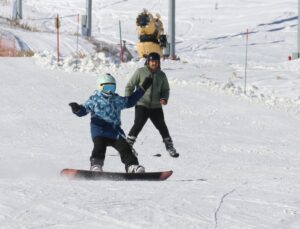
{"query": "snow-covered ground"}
(239, 153)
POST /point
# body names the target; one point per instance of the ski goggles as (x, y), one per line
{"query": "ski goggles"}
(108, 88)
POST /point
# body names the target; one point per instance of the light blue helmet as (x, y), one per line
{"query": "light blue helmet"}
(106, 83)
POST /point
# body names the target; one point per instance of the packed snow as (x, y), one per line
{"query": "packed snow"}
(239, 152)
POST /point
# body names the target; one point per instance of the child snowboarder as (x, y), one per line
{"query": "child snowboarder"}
(105, 107)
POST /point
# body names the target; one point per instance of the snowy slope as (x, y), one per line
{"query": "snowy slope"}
(239, 164)
(210, 36)
(239, 154)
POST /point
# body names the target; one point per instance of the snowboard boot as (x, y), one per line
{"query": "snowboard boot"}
(135, 169)
(170, 147)
(131, 140)
(96, 165)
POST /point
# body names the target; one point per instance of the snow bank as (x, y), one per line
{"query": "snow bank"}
(101, 63)
(255, 95)
(86, 63)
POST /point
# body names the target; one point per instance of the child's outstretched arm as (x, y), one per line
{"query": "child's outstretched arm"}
(139, 92)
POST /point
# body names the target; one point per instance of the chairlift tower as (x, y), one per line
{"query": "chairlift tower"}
(172, 28)
(298, 47)
(296, 55)
(86, 20)
(17, 10)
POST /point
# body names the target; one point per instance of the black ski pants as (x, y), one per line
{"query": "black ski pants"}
(156, 116)
(121, 145)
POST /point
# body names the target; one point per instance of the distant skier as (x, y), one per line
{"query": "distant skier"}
(105, 107)
(150, 105)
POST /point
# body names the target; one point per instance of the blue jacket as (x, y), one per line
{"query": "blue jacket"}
(106, 112)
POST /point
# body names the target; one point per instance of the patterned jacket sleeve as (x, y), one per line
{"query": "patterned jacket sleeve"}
(86, 108)
(135, 97)
(130, 101)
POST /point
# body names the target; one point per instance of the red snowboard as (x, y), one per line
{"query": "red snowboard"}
(92, 175)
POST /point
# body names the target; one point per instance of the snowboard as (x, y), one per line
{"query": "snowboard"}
(115, 176)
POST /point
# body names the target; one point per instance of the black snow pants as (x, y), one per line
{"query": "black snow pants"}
(156, 115)
(121, 145)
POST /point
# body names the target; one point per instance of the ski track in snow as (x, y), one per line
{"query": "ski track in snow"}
(219, 207)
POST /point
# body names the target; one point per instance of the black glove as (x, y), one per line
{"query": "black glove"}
(75, 107)
(147, 83)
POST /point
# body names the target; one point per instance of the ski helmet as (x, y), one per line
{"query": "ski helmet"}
(106, 83)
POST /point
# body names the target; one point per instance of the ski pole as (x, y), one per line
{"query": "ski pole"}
(77, 41)
(246, 61)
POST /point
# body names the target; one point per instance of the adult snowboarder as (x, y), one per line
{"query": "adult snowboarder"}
(150, 105)
(105, 107)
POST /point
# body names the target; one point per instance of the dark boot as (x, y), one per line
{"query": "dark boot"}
(96, 164)
(170, 147)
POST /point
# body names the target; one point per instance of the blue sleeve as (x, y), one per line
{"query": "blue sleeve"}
(135, 97)
(86, 108)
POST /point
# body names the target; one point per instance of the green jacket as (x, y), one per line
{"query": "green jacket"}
(159, 89)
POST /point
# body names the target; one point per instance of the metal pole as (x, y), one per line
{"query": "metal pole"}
(120, 32)
(20, 9)
(89, 17)
(77, 41)
(57, 38)
(296, 55)
(298, 49)
(121, 47)
(246, 61)
(17, 10)
(172, 28)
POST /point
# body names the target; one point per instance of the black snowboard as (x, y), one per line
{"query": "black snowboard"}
(92, 175)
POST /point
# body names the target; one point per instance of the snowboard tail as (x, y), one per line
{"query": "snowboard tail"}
(92, 175)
